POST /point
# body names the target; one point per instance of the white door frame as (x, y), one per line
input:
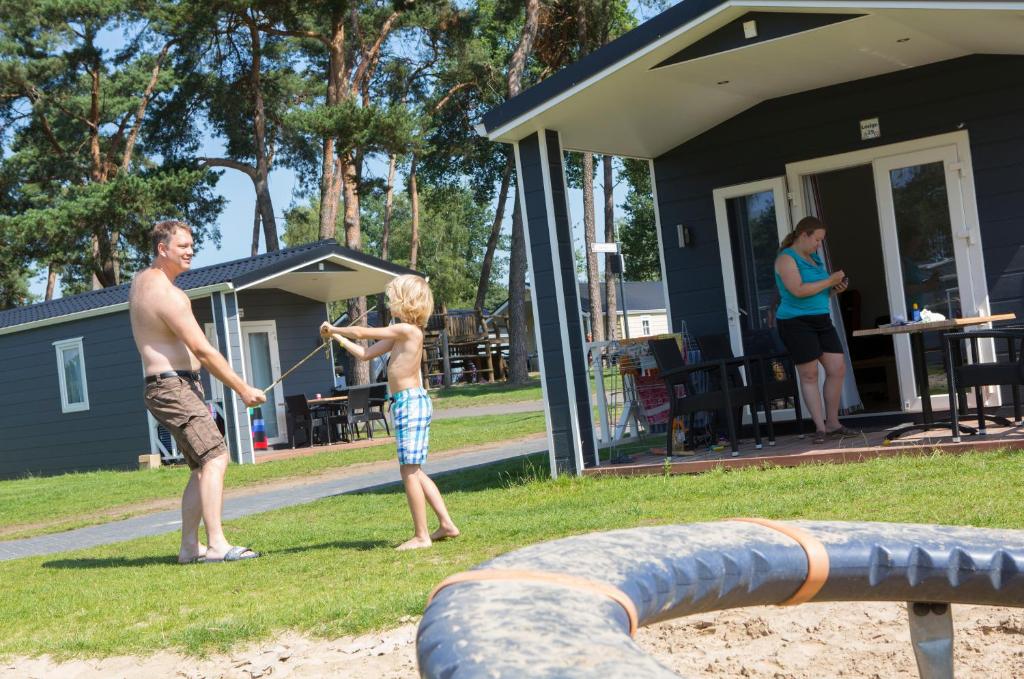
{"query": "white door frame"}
(954, 149)
(269, 327)
(777, 185)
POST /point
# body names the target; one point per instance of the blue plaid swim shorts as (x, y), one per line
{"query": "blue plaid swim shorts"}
(411, 411)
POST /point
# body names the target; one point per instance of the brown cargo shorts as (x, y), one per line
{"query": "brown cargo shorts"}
(178, 404)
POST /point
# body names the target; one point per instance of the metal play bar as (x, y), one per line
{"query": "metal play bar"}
(569, 608)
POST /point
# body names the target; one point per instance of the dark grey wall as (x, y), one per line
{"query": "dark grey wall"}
(298, 326)
(983, 94)
(35, 436)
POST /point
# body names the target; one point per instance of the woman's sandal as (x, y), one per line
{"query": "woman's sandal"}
(820, 437)
(843, 432)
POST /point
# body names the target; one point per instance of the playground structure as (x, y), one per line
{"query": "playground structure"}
(462, 346)
(542, 611)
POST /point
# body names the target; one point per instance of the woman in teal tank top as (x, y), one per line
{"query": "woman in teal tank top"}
(805, 287)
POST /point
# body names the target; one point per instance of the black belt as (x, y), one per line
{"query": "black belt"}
(187, 374)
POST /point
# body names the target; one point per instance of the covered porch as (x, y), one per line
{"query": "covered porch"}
(754, 114)
(792, 450)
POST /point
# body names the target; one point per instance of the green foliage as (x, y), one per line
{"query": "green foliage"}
(77, 172)
(636, 231)
(453, 234)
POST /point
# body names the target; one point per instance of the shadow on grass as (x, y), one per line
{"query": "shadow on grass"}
(171, 559)
(504, 474)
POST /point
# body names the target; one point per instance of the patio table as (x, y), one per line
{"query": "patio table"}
(916, 332)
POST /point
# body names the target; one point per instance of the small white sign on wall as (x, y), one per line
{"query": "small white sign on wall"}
(870, 129)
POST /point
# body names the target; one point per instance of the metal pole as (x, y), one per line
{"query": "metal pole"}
(622, 298)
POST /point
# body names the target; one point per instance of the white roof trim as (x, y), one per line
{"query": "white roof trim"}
(845, 5)
(334, 257)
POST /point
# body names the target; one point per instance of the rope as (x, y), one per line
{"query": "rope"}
(326, 343)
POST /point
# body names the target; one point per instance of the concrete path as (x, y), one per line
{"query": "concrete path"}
(493, 409)
(256, 502)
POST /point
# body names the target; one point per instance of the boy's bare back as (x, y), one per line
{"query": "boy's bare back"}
(406, 354)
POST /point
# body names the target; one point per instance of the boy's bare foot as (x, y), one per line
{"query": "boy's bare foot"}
(445, 532)
(414, 543)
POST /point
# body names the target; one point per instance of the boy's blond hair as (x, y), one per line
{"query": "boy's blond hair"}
(410, 299)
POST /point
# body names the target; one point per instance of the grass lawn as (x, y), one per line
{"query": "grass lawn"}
(330, 569)
(484, 393)
(40, 505)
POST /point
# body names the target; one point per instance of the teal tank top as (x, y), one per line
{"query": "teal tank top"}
(792, 306)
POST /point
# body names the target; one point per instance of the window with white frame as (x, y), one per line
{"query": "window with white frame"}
(74, 391)
(645, 324)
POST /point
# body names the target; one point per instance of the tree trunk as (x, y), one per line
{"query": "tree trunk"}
(414, 200)
(265, 206)
(492, 242)
(589, 238)
(354, 240)
(51, 280)
(255, 231)
(331, 180)
(263, 200)
(330, 191)
(517, 367)
(389, 202)
(609, 237)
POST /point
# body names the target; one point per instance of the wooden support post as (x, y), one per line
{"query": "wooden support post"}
(149, 461)
(445, 358)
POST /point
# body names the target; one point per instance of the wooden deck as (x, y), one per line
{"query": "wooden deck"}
(790, 451)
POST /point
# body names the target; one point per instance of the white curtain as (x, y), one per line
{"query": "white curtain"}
(849, 398)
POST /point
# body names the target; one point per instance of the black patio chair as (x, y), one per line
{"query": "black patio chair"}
(378, 397)
(746, 390)
(723, 393)
(962, 376)
(300, 416)
(357, 410)
(774, 374)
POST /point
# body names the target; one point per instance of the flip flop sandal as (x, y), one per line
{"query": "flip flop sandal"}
(237, 553)
(819, 437)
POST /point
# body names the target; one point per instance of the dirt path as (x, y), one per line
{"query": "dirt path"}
(817, 641)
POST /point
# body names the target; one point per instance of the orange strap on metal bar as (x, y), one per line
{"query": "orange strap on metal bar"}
(571, 581)
(817, 558)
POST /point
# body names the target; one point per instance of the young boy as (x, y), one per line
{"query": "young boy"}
(411, 303)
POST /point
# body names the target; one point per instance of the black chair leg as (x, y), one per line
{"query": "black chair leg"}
(954, 396)
(668, 433)
(979, 400)
(756, 422)
(730, 422)
(1015, 389)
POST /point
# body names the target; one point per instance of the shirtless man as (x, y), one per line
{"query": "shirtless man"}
(173, 346)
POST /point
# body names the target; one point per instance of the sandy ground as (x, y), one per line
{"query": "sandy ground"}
(816, 641)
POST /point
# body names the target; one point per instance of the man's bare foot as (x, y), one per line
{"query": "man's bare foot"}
(445, 532)
(414, 543)
(188, 556)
